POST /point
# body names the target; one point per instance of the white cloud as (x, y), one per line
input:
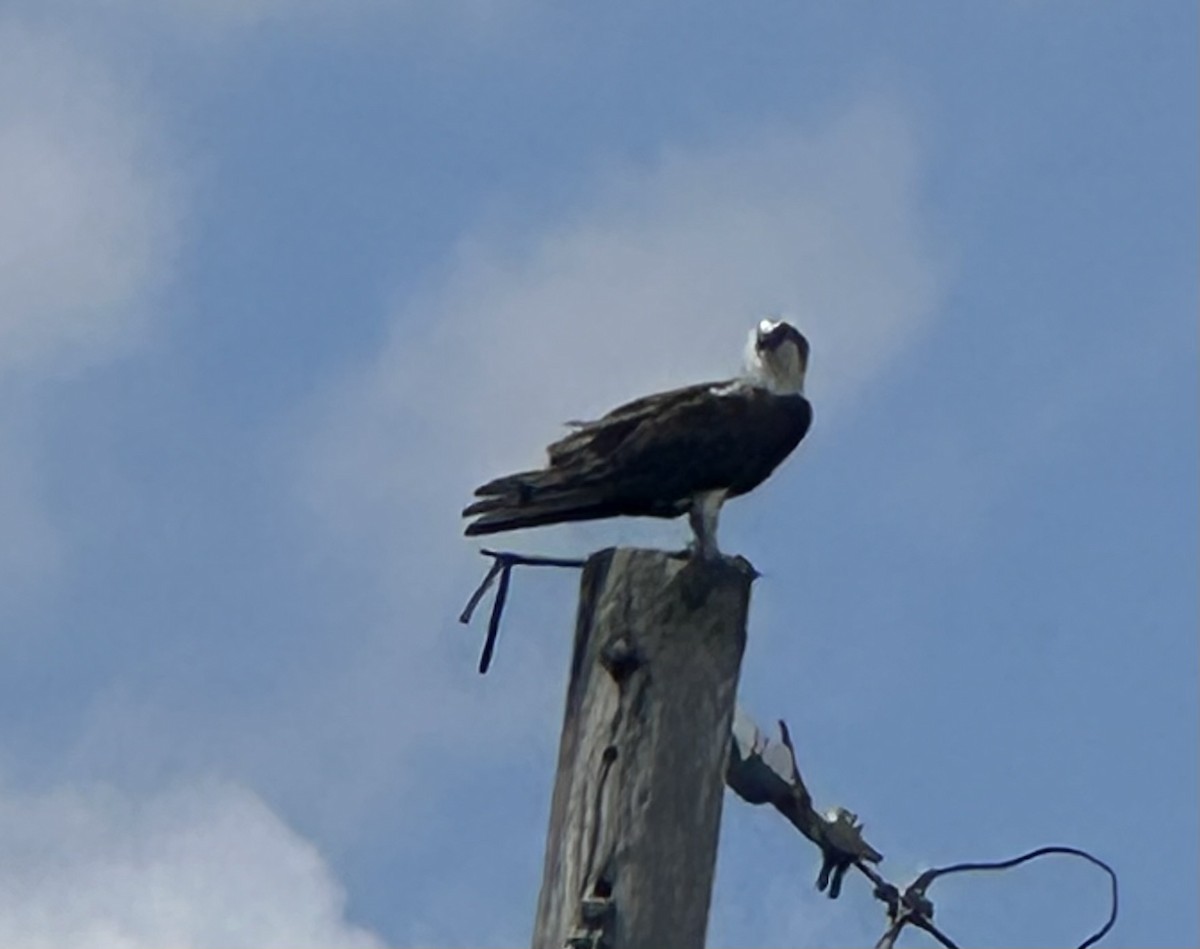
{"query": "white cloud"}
(221, 18)
(202, 866)
(89, 213)
(88, 216)
(244, 13)
(653, 281)
(656, 282)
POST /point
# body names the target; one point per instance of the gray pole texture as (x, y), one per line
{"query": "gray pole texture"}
(637, 798)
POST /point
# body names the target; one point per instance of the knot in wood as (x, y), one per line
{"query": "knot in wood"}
(621, 658)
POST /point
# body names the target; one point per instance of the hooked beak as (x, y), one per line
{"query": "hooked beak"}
(770, 336)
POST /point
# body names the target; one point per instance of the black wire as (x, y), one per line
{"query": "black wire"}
(502, 564)
(493, 630)
(888, 939)
(923, 923)
(925, 879)
(526, 560)
(469, 609)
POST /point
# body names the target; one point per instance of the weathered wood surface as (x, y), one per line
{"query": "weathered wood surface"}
(645, 743)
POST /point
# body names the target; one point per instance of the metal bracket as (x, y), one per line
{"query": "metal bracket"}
(595, 916)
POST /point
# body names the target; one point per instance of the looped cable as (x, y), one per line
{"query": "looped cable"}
(922, 883)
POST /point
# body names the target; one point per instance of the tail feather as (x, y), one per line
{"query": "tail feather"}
(484, 506)
(496, 515)
(519, 484)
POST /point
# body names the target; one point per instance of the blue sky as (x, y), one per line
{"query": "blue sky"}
(283, 279)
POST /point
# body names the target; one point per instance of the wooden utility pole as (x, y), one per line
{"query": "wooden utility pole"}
(645, 742)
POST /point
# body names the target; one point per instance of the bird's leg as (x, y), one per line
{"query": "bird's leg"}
(703, 516)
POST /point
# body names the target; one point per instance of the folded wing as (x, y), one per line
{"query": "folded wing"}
(649, 457)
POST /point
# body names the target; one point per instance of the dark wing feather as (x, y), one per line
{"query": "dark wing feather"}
(649, 457)
(606, 433)
(702, 442)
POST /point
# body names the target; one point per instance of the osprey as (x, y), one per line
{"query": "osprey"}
(679, 452)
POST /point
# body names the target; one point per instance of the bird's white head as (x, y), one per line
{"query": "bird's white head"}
(777, 357)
